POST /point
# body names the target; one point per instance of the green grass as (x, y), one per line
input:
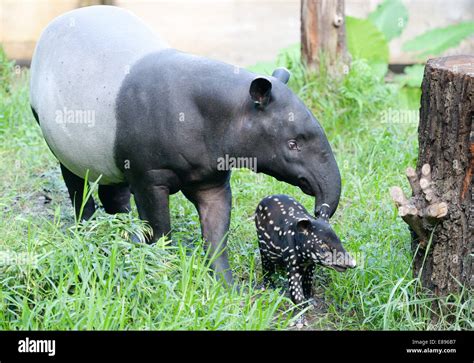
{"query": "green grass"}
(92, 277)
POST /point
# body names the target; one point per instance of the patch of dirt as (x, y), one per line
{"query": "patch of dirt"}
(43, 201)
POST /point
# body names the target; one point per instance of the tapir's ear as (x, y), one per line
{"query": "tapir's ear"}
(260, 90)
(303, 225)
(282, 74)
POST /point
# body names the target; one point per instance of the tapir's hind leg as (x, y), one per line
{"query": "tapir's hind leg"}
(115, 198)
(75, 187)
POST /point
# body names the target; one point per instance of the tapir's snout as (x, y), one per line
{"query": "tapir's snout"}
(339, 261)
(349, 262)
(352, 262)
(325, 186)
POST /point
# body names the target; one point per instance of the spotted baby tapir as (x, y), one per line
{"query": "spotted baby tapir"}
(290, 237)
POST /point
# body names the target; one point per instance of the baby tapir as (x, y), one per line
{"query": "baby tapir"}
(290, 237)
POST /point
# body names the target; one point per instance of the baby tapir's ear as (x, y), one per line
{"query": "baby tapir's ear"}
(303, 225)
(260, 90)
(282, 74)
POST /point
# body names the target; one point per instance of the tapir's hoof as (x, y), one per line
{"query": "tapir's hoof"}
(134, 238)
(262, 287)
(300, 322)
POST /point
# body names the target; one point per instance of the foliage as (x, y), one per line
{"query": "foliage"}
(357, 95)
(409, 98)
(410, 86)
(436, 41)
(412, 76)
(287, 57)
(368, 39)
(93, 278)
(6, 72)
(365, 41)
(390, 17)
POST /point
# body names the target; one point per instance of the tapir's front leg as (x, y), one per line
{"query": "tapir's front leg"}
(151, 192)
(295, 282)
(213, 206)
(308, 281)
(153, 206)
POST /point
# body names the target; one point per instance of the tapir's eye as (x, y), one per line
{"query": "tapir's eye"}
(292, 145)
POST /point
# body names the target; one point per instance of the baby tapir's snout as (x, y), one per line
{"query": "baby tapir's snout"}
(289, 236)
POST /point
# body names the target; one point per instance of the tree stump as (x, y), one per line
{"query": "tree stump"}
(323, 35)
(441, 204)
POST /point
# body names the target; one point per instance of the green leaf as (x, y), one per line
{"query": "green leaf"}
(412, 76)
(436, 41)
(289, 55)
(410, 91)
(409, 98)
(365, 41)
(390, 17)
(286, 57)
(265, 68)
(379, 68)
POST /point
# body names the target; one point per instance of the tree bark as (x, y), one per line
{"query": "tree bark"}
(442, 183)
(323, 35)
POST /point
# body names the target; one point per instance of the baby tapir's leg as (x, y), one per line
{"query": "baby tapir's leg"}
(75, 187)
(268, 270)
(308, 281)
(295, 282)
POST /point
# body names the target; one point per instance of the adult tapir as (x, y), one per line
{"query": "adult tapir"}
(115, 101)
